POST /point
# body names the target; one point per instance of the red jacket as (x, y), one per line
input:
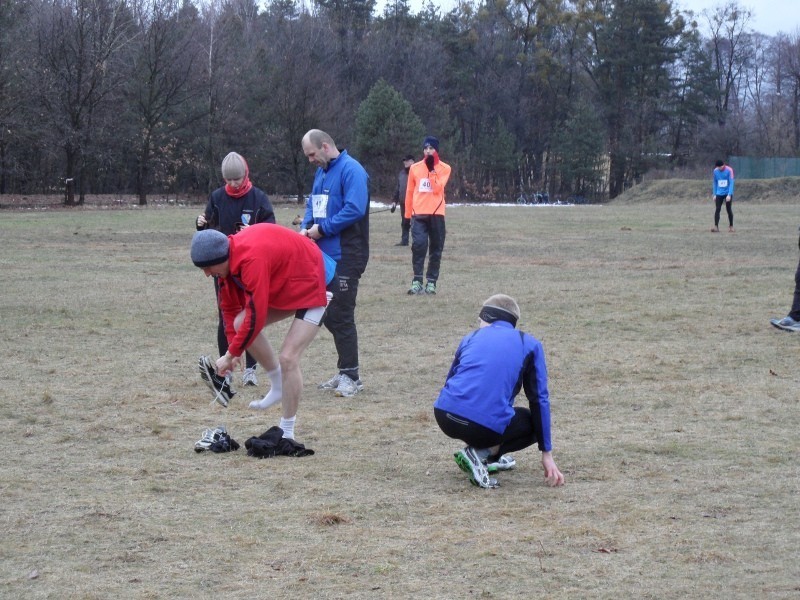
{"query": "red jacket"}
(271, 267)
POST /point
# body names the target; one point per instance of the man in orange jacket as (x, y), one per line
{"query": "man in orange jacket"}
(425, 207)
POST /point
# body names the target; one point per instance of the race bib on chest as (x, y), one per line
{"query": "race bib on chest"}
(723, 183)
(319, 206)
(425, 186)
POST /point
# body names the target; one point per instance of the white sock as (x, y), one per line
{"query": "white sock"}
(275, 391)
(288, 427)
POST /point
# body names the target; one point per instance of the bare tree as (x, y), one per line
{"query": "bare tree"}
(731, 49)
(162, 81)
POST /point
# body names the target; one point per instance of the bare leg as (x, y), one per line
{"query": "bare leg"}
(260, 349)
(298, 338)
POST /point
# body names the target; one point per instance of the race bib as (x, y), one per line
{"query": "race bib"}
(424, 185)
(723, 183)
(319, 206)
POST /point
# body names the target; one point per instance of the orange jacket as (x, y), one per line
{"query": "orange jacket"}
(425, 191)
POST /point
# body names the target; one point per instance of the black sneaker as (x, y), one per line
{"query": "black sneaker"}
(220, 386)
(210, 437)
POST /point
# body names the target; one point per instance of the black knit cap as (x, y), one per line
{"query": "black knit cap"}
(209, 248)
(431, 141)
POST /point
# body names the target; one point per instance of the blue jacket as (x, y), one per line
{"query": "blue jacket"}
(490, 367)
(339, 205)
(723, 182)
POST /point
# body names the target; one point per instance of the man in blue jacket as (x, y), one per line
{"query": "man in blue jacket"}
(337, 218)
(723, 192)
(476, 404)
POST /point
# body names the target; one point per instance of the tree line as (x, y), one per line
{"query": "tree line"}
(578, 97)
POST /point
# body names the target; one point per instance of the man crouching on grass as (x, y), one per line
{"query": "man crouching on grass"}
(476, 404)
(266, 273)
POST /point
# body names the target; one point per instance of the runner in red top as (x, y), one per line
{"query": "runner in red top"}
(266, 273)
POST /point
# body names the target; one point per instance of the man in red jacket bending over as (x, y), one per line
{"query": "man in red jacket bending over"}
(267, 273)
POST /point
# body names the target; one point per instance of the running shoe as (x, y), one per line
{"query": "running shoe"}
(220, 386)
(469, 462)
(504, 463)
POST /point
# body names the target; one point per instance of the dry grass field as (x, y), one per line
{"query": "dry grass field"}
(675, 410)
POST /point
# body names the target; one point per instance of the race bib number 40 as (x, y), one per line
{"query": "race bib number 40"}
(424, 185)
(319, 206)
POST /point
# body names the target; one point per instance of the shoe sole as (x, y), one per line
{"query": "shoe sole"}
(340, 394)
(207, 375)
(201, 365)
(791, 328)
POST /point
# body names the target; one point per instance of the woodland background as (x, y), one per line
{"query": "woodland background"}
(570, 97)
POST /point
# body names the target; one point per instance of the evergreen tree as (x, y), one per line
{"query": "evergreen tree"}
(386, 130)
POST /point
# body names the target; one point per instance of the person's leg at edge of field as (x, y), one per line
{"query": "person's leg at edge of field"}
(791, 322)
(795, 312)
(437, 233)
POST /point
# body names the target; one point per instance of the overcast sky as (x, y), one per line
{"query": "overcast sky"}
(769, 16)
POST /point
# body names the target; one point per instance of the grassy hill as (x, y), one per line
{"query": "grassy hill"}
(679, 191)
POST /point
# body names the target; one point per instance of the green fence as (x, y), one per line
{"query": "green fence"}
(748, 167)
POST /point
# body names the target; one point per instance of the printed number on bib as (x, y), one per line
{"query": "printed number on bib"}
(723, 183)
(319, 205)
(425, 185)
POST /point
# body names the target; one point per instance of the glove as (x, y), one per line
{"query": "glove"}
(429, 162)
(394, 207)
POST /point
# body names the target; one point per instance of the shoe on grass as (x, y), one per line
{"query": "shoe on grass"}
(249, 376)
(348, 387)
(468, 461)
(430, 288)
(209, 437)
(416, 288)
(505, 462)
(331, 384)
(786, 324)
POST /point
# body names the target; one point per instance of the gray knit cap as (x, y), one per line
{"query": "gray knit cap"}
(209, 248)
(234, 166)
